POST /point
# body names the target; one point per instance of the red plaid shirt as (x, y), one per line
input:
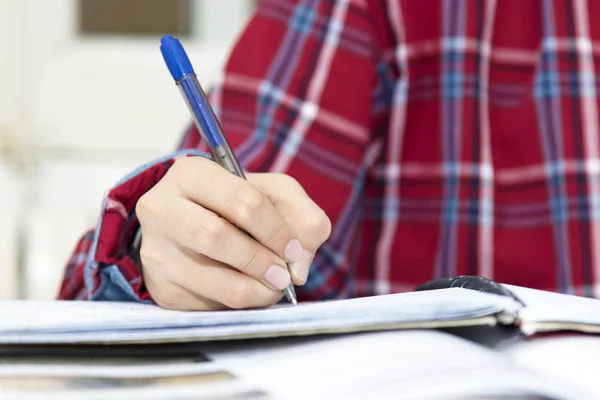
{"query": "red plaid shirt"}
(442, 137)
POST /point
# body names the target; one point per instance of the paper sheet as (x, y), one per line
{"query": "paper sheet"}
(572, 358)
(56, 322)
(383, 365)
(548, 311)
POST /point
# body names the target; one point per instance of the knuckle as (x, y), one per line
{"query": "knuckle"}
(179, 167)
(153, 265)
(183, 165)
(163, 293)
(286, 179)
(145, 207)
(237, 295)
(247, 204)
(326, 226)
(319, 226)
(150, 258)
(209, 234)
(147, 257)
(185, 169)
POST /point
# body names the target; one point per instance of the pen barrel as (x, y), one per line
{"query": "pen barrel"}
(224, 156)
(208, 125)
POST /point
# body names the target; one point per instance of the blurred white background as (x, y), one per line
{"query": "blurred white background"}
(85, 97)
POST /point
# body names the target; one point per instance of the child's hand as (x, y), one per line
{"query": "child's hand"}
(195, 258)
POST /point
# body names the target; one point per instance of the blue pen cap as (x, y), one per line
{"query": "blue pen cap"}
(175, 57)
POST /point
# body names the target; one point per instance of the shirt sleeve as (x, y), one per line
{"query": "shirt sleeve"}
(297, 95)
(102, 266)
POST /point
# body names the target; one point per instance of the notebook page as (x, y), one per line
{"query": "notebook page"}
(381, 365)
(93, 321)
(548, 311)
(230, 332)
(572, 358)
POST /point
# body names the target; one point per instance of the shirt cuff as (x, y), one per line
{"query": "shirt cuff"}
(110, 272)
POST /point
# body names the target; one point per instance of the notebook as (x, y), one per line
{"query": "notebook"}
(392, 365)
(531, 311)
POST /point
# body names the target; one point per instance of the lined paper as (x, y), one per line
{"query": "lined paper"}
(56, 321)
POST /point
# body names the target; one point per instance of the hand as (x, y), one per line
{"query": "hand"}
(195, 258)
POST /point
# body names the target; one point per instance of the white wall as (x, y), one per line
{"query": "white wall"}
(11, 197)
(71, 124)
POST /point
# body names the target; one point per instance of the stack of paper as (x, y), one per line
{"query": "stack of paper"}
(405, 361)
(391, 365)
(208, 381)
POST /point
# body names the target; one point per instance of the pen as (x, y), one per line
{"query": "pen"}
(204, 117)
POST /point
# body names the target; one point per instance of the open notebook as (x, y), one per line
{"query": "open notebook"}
(96, 322)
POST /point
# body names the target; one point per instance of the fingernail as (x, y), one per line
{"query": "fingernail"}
(293, 251)
(278, 277)
(300, 269)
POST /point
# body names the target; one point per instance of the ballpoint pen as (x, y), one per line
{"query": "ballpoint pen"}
(204, 117)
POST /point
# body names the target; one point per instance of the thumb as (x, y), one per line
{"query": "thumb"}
(307, 220)
(292, 202)
(284, 192)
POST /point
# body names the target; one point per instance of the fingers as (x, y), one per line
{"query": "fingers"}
(196, 253)
(307, 220)
(238, 201)
(204, 232)
(175, 278)
(241, 291)
(300, 269)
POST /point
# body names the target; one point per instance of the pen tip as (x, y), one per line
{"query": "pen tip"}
(290, 294)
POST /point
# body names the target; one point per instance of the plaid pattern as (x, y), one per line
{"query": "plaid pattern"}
(442, 137)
